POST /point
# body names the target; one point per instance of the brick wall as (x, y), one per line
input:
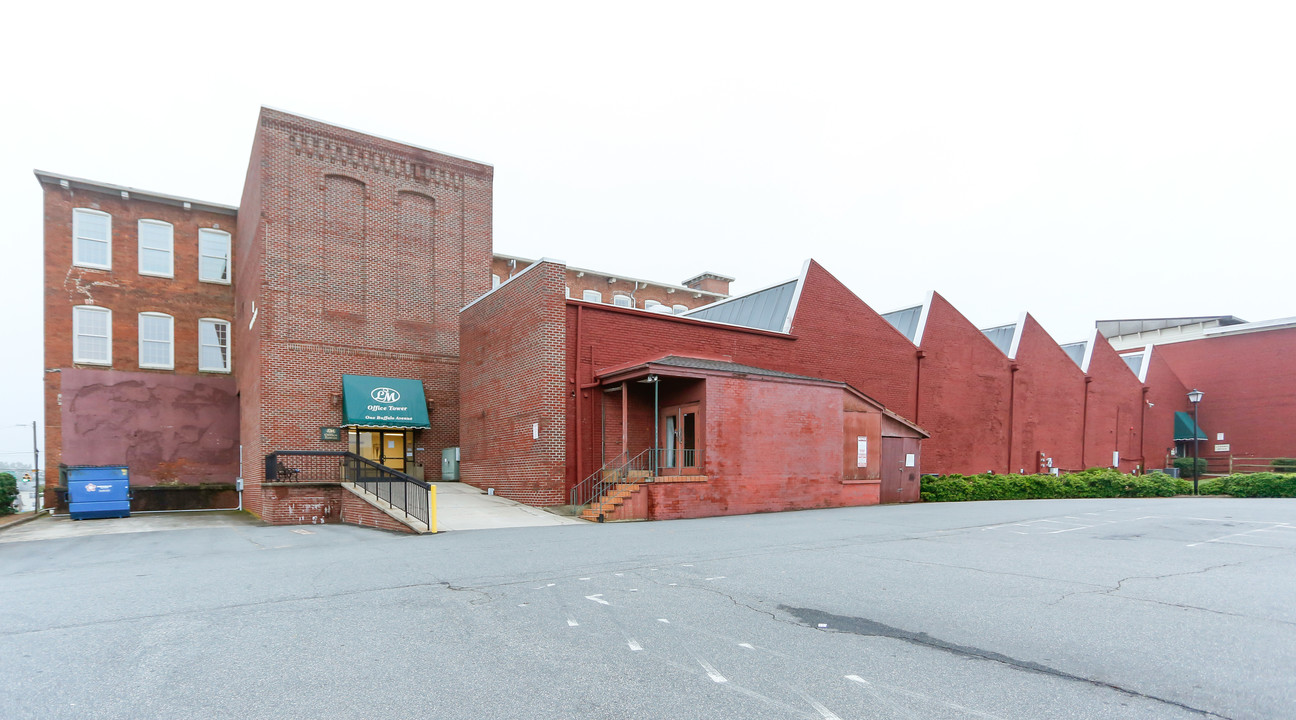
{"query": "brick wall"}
(124, 291)
(1115, 410)
(512, 382)
(1167, 394)
(1250, 390)
(577, 282)
(964, 398)
(302, 504)
(1048, 403)
(363, 252)
(771, 446)
(355, 510)
(249, 364)
(966, 385)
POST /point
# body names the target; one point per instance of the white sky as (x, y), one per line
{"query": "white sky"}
(1078, 160)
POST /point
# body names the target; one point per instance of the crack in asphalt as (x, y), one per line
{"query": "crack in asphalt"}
(812, 618)
(1111, 590)
(240, 606)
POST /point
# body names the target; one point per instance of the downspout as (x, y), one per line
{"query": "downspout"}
(1084, 423)
(577, 393)
(1142, 426)
(1012, 405)
(917, 383)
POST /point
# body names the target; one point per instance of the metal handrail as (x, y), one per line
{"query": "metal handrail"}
(586, 490)
(403, 492)
(642, 468)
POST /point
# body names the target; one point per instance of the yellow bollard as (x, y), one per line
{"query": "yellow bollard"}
(432, 509)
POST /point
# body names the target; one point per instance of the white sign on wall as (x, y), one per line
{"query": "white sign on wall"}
(1222, 448)
(910, 459)
(861, 451)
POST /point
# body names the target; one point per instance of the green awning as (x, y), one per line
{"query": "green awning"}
(383, 402)
(1185, 427)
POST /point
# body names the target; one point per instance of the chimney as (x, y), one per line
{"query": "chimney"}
(710, 282)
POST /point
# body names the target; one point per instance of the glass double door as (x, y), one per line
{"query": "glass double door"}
(679, 438)
(387, 447)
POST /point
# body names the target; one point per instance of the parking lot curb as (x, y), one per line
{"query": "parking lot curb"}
(27, 517)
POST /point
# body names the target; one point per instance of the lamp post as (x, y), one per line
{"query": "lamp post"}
(35, 468)
(1195, 397)
(656, 383)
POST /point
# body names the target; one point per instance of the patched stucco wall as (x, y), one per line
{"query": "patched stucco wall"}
(141, 419)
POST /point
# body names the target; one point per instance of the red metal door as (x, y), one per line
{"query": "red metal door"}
(900, 470)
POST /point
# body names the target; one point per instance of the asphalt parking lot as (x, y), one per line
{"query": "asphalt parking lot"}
(1166, 608)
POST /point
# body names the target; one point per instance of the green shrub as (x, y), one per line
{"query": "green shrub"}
(1185, 466)
(8, 492)
(1254, 485)
(1214, 486)
(1092, 483)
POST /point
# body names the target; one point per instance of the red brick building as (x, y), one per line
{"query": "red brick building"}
(138, 306)
(353, 303)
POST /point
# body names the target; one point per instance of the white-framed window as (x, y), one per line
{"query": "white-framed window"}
(91, 238)
(156, 248)
(592, 296)
(213, 345)
(622, 301)
(92, 335)
(156, 340)
(213, 255)
(495, 281)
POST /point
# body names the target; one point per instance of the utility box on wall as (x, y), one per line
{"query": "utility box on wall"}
(450, 464)
(98, 492)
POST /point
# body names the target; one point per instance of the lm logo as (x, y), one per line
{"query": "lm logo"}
(384, 395)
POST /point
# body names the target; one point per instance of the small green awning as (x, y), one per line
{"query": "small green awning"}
(1185, 428)
(383, 402)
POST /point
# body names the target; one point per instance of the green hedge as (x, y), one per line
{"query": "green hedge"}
(1092, 483)
(1254, 485)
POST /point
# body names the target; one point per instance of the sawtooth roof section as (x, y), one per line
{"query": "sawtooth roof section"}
(906, 321)
(1001, 336)
(1076, 351)
(1118, 328)
(763, 310)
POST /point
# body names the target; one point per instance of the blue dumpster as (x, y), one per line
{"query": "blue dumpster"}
(98, 492)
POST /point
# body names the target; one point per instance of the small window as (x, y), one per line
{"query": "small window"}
(92, 335)
(156, 349)
(213, 255)
(156, 240)
(213, 345)
(495, 281)
(91, 238)
(592, 296)
(680, 309)
(650, 304)
(623, 301)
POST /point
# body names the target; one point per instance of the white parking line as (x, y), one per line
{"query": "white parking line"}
(711, 671)
(1225, 537)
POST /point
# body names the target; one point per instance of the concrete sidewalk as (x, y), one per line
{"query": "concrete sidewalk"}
(464, 507)
(459, 507)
